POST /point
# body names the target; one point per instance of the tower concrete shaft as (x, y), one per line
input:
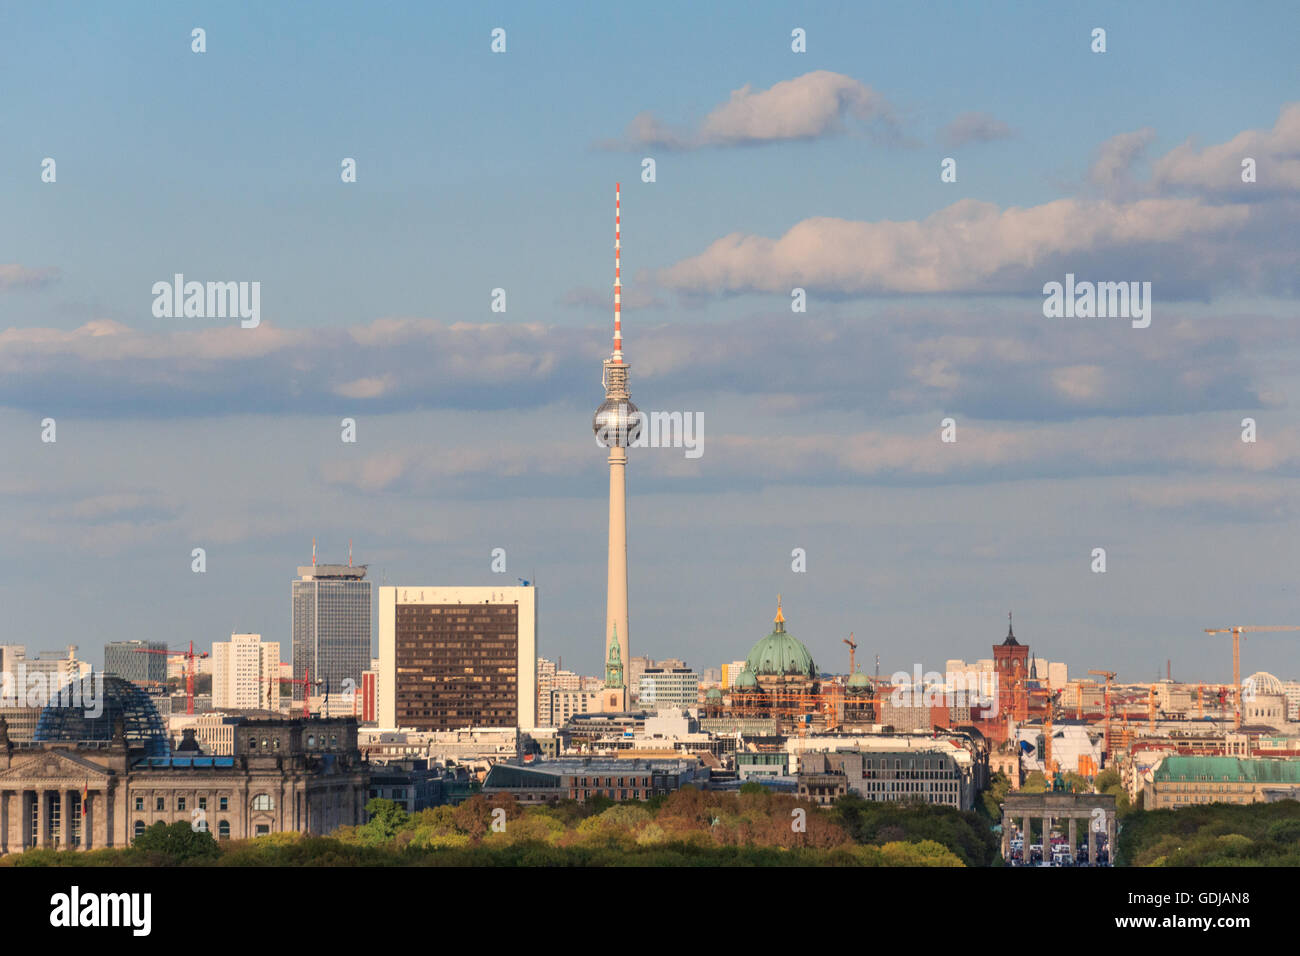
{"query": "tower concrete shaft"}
(616, 587)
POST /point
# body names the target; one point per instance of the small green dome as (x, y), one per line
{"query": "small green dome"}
(713, 694)
(747, 679)
(780, 654)
(858, 682)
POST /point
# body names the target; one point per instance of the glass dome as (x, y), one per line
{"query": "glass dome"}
(93, 706)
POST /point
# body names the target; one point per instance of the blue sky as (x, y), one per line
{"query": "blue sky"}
(478, 171)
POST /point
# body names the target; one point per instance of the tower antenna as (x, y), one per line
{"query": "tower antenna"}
(618, 276)
(313, 551)
(349, 552)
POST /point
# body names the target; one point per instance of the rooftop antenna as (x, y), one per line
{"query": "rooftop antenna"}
(313, 551)
(349, 552)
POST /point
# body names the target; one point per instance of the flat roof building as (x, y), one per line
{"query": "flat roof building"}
(456, 657)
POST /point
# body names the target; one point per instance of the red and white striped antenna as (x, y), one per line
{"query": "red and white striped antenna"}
(618, 280)
(313, 552)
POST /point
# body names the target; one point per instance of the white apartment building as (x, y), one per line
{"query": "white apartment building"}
(246, 673)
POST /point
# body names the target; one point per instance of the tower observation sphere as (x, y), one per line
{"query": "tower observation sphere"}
(617, 423)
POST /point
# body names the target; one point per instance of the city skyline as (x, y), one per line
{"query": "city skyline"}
(823, 427)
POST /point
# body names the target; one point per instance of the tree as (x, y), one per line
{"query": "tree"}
(178, 841)
(386, 818)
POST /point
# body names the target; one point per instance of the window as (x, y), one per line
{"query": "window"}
(139, 827)
(223, 804)
(139, 803)
(180, 803)
(203, 803)
(223, 830)
(160, 803)
(263, 801)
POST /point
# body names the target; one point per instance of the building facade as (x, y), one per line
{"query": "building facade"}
(331, 628)
(246, 673)
(1179, 781)
(455, 657)
(669, 687)
(541, 781)
(286, 775)
(141, 662)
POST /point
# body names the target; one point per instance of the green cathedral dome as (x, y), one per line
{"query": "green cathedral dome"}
(859, 682)
(780, 654)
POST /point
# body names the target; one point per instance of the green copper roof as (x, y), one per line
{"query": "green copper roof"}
(1227, 769)
(779, 653)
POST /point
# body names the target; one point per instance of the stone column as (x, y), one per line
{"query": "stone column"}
(1006, 836)
(1092, 842)
(65, 820)
(1047, 838)
(4, 821)
(1110, 838)
(1074, 840)
(1026, 838)
(42, 819)
(24, 820)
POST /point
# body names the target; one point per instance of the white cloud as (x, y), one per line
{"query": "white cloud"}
(806, 107)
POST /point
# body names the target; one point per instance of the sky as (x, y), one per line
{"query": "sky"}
(773, 170)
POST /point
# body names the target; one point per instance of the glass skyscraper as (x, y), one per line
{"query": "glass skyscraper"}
(331, 629)
(142, 662)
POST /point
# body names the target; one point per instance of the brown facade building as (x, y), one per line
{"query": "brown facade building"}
(459, 658)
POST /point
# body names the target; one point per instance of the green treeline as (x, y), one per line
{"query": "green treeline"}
(688, 828)
(754, 827)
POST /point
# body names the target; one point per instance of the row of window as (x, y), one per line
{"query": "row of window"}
(223, 829)
(263, 801)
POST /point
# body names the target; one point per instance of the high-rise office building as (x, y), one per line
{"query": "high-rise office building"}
(456, 657)
(141, 662)
(331, 629)
(246, 672)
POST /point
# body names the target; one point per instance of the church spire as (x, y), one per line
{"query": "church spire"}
(779, 620)
(614, 663)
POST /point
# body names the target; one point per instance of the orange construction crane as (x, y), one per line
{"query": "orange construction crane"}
(853, 649)
(1237, 632)
(1110, 676)
(190, 657)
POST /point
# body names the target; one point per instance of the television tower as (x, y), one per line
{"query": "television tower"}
(617, 424)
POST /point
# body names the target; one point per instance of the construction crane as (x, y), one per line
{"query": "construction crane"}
(853, 649)
(190, 657)
(1237, 633)
(1110, 676)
